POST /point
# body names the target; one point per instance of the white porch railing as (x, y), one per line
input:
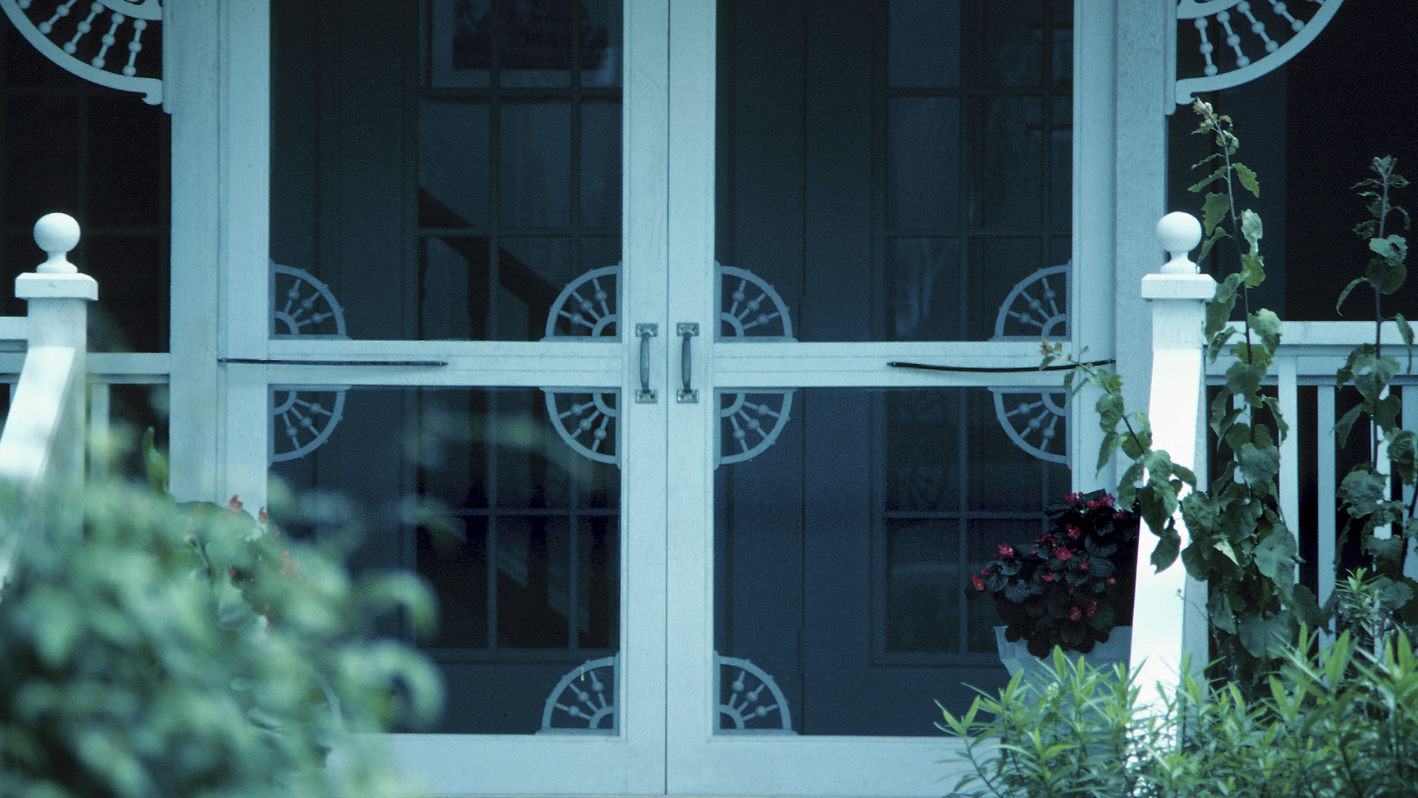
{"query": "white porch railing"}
(42, 444)
(1303, 377)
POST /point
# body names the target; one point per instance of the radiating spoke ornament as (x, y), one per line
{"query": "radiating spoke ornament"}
(303, 417)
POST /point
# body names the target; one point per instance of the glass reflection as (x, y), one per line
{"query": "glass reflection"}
(516, 533)
(843, 549)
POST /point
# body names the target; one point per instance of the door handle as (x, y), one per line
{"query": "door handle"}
(646, 395)
(686, 331)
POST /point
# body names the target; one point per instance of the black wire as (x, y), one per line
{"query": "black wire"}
(264, 361)
(996, 369)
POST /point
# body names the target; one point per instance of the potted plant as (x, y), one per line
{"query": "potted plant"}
(1073, 586)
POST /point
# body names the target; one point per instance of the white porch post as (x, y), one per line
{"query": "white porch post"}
(216, 86)
(1178, 297)
(38, 443)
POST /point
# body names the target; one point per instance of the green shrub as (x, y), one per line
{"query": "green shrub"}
(189, 650)
(1337, 721)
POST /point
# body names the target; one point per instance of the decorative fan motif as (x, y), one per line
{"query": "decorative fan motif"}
(1036, 307)
(749, 699)
(1035, 421)
(586, 421)
(100, 41)
(303, 418)
(750, 422)
(588, 307)
(584, 700)
(1251, 39)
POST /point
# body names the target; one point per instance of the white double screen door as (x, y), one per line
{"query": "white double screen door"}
(852, 603)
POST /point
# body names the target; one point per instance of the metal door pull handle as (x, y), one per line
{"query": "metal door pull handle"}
(645, 332)
(686, 331)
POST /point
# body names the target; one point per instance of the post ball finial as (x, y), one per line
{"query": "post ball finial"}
(1179, 233)
(57, 234)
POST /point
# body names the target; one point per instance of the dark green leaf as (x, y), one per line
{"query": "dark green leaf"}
(1213, 210)
(1215, 235)
(1259, 634)
(1168, 544)
(1345, 423)
(1219, 174)
(1362, 490)
(1259, 464)
(1275, 555)
(1248, 179)
(1105, 452)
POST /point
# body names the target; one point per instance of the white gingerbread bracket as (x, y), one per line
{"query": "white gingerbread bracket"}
(1245, 47)
(100, 41)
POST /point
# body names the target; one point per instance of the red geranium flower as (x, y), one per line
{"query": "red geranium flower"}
(1075, 614)
(1063, 554)
(979, 585)
(1006, 550)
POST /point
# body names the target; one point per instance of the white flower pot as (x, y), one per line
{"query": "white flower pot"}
(1016, 656)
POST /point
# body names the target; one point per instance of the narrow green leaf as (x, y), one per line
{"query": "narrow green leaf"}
(1248, 179)
(1105, 452)
(1406, 333)
(1355, 283)
(1219, 174)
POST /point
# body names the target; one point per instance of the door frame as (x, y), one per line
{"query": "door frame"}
(220, 227)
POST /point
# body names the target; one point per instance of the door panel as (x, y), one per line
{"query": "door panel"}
(441, 173)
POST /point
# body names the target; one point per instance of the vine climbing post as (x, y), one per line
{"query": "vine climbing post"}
(1178, 297)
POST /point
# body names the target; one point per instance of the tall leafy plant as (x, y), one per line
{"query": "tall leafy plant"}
(1367, 491)
(1240, 543)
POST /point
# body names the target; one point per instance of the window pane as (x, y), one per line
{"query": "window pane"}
(844, 541)
(478, 492)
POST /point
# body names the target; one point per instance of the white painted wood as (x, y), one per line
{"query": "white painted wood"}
(1175, 409)
(691, 701)
(1409, 397)
(1094, 154)
(192, 66)
(14, 328)
(1289, 398)
(243, 263)
(1326, 484)
(1139, 171)
(633, 760)
(36, 414)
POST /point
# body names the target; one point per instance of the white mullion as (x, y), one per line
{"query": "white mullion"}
(640, 691)
(244, 260)
(691, 705)
(191, 65)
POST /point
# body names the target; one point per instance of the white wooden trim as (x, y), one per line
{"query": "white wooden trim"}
(36, 411)
(1091, 318)
(192, 34)
(692, 706)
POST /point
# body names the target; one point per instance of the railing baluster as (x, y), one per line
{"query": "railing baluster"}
(1325, 479)
(1287, 385)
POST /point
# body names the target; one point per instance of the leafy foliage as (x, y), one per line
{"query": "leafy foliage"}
(1385, 524)
(189, 650)
(1331, 723)
(1070, 587)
